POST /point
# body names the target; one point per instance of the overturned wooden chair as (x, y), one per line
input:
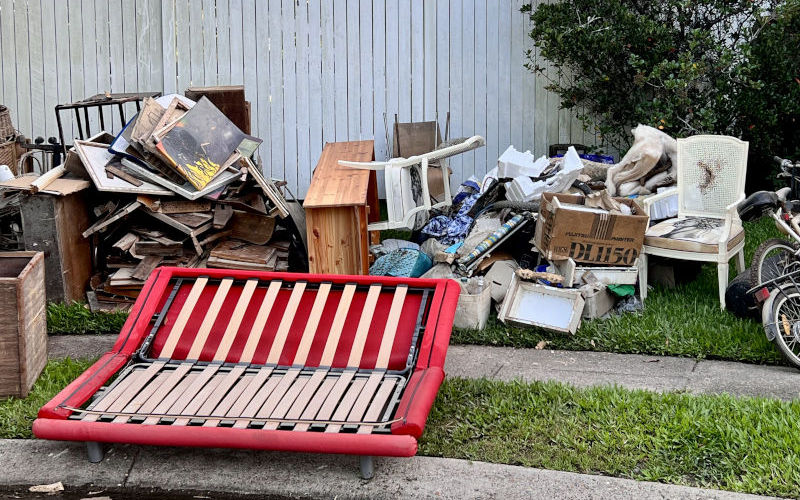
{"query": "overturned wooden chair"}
(271, 361)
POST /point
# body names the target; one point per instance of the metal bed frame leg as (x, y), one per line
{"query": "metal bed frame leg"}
(95, 451)
(367, 470)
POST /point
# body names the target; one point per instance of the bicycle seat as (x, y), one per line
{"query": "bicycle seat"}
(754, 206)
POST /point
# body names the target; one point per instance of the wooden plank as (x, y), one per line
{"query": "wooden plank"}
(286, 322)
(209, 43)
(340, 73)
(289, 95)
(379, 82)
(183, 317)
(143, 54)
(335, 395)
(456, 64)
(37, 69)
(194, 392)
(363, 326)
(417, 52)
(225, 405)
(481, 162)
(261, 320)
(103, 44)
(304, 397)
(392, 65)
(353, 71)
(281, 399)
(24, 120)
(310, 411)
(196, 42)
(146, 266)
(276, 108)
(182, 43)
(328, 98)
(302, 88)
(257, 401)
(387, 341)
(209, 319)
(235, 29)
(249, 393)
(367, 394)
(376, 407)
(429, 67)
(143, 396)
(166, 395)
(468, 83)
(129, 35)
(345, 406)
(504, 69)
(8, 55)
(342, 309)
(404, 60)
(156, 76)
(365, 69)
(493, 147)
(443, 64)
(210, 396)
(314, 88)
(236, 320)
(311, 324)
(253, 74)
(124, 391)
(115, 55)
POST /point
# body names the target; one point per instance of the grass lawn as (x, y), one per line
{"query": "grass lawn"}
(738, 444)
(684, 321)
(17, 415)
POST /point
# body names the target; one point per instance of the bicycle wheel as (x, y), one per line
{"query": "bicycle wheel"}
(771, 259)
(781, 319)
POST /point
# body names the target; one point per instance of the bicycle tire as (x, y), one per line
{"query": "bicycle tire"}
(781, 316)
(761, 260)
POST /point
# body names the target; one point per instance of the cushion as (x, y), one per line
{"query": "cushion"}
(692, 234)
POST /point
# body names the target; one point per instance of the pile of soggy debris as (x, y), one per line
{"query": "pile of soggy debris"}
(178, 187)
(548, 240)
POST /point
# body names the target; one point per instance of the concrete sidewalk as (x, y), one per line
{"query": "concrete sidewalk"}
(580, 368)
(131, 470)
(632, 371)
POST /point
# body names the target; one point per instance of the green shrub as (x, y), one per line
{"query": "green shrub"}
(684, 66)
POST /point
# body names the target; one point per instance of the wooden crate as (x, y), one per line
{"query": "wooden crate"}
(54, 225)
(23, 321)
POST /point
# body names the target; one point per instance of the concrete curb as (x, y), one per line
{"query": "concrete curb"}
(133, 469)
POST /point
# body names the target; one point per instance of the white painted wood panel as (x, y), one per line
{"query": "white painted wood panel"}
(314, 71)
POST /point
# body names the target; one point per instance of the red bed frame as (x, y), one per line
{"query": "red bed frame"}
(386, 336)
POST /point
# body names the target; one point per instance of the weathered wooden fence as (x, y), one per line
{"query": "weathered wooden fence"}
(314, 70)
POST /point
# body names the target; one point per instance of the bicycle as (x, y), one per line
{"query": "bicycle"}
(775, 272)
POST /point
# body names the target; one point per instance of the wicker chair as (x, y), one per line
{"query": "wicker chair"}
(711, 176)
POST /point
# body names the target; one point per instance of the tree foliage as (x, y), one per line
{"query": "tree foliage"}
(684, 66)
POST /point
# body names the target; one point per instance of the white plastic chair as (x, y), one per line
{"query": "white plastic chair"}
(400, 204)
(711, 176)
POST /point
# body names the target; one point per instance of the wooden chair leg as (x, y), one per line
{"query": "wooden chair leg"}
(643, 276)
(722, 275)
(740, 266)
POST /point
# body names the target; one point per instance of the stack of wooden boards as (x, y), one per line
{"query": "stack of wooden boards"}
(177, 186)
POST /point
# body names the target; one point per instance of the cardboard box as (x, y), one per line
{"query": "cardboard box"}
(565, 229)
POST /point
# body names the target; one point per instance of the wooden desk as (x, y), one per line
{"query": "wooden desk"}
(340, 202)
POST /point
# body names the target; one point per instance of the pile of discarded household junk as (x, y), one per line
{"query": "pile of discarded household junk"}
(176, 187)
(548, 240)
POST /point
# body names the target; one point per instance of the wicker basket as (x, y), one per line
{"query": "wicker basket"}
(8, 155)
(7, 130)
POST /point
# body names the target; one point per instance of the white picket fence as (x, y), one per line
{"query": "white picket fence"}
(315, 71)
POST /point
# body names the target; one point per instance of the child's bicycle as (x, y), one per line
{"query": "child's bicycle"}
(775, 271)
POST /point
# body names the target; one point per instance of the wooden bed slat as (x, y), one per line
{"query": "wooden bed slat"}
(125, 391)
(257, 401)
(287, 401)
(307, 393)
(346, 404)
(289, 315)
(332, 401)
(209, 319)
(367, 394)
(280, 391)
(227, 402)
(183, 317)
(364, 323)
(338, 324)
(316, 402)
(142, 397)
(236, 320)
(204, 404)
(163, 398)
(246, 397)
(387, 341)
(261, 320)
(312, 324)
(375, 409)
(192, 392)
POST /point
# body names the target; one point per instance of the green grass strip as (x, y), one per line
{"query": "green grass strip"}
(65, 319)
(739, 444)
(17, 415)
